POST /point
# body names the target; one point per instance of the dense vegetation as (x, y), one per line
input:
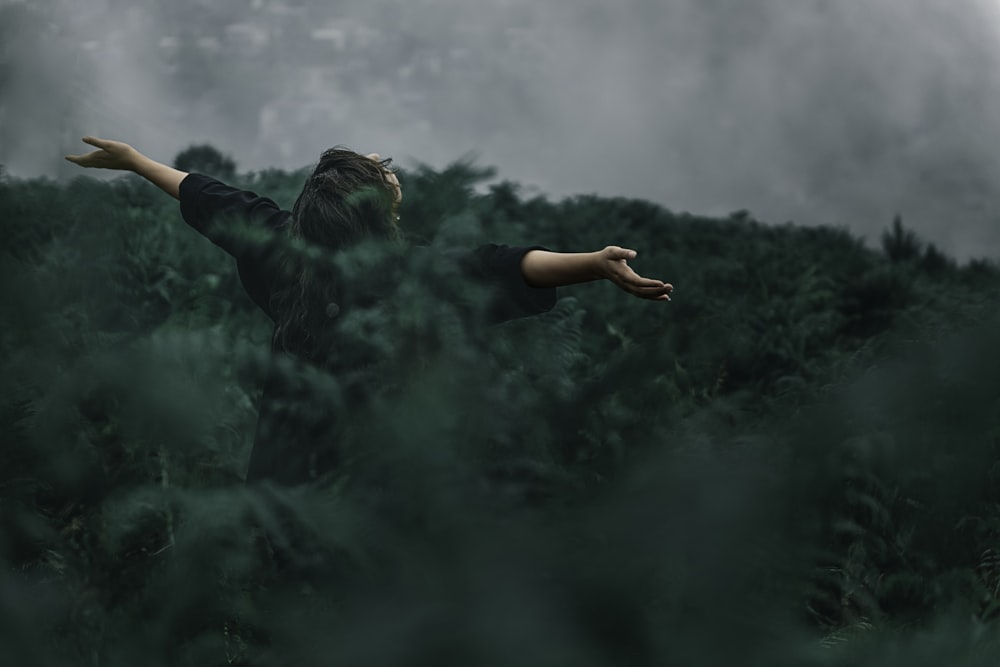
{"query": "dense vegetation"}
(793, 462)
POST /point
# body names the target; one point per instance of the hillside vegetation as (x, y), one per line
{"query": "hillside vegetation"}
(795, 461)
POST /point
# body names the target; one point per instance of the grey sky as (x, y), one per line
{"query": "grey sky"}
(816, 111)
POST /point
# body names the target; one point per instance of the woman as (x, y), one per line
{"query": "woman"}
(349, 198)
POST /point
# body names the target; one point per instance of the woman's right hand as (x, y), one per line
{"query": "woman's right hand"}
(110, 155)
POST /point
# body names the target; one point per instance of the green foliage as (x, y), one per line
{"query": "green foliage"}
(798, 453)
(432, 197)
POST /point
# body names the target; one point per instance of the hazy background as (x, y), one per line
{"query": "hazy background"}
(805, 110)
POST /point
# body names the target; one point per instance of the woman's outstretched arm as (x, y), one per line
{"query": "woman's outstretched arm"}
(542, 268)
(121, 156)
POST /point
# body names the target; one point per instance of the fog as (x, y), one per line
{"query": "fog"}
(812, 111)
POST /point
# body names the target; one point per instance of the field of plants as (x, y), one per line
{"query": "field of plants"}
(794, 462)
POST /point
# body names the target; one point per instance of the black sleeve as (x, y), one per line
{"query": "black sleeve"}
(235, 220)
(500, 267)
(218, 210)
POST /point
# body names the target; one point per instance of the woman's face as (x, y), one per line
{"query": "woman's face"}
(392, 177)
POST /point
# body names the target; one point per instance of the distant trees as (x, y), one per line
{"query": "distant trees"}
(900, 244)
(904, 245)
(206, 159)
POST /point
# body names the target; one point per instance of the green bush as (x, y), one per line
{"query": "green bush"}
(793, 462)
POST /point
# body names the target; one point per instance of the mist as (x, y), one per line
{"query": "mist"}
(807, 111)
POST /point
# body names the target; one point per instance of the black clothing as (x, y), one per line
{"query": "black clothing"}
(213, 208)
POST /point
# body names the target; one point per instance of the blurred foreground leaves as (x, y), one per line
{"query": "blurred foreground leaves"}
(794, 462)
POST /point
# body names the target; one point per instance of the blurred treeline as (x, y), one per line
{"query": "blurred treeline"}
(793, 462)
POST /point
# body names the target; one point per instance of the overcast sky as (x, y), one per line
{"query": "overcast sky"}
(815, 111)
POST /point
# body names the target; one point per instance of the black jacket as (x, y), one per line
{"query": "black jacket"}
(286, 446)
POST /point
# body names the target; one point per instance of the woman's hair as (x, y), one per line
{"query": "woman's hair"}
(347, 199)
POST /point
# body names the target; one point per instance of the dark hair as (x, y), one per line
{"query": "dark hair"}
(347, 199)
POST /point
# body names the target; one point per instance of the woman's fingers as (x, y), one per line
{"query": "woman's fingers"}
(106, 145)
(86, 159)
(646, 288)
(632, 282)
(78, 159)
(633, 278)
(94, 141)
(109, 154)
(639, 281)
(614, 252)
(648, 291)
(656, 295)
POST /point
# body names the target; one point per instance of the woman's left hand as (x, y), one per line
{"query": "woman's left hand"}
(110, 155)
